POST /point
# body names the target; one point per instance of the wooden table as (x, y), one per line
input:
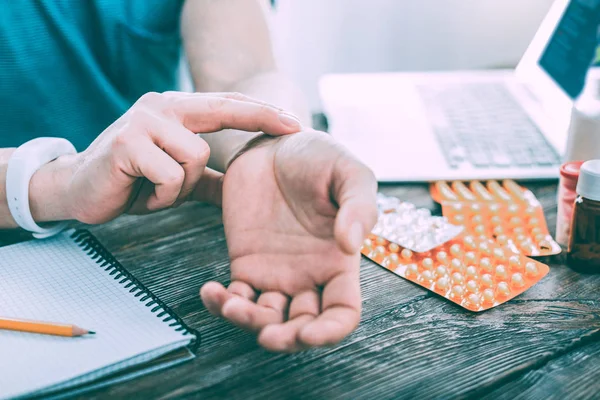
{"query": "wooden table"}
(410, 343)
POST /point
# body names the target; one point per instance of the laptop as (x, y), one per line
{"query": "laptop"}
(489, 124)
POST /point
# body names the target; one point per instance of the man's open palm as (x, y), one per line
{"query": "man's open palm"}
(295, 212)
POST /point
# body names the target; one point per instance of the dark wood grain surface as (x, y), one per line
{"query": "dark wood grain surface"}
(410, 343)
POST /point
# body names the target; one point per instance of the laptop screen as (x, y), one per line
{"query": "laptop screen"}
(573, 46)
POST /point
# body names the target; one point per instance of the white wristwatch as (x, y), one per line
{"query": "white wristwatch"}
(23, 163)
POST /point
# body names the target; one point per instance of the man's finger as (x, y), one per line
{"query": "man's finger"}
(214, 295)
(254, 317)
(228, 95)
(304, 308)
(305, 303)
(184, 146)
(284, 337)
(341, 312)
(149, 161)
(354, 190)
(242, 289)
(205, 114)
(209, 187)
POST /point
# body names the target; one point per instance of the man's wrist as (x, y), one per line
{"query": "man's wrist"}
(258, 141)
(49, 198)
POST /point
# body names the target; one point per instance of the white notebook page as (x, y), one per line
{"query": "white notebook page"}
(54, 280)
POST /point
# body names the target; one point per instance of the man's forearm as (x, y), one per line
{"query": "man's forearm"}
(271, 87)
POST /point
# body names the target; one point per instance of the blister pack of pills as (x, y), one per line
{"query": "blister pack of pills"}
(411, 227)
(473, 272)
(506, 212)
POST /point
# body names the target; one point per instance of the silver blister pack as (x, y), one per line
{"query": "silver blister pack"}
(411, 227)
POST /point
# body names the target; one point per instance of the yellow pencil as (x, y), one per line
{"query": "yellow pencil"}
(47, 328)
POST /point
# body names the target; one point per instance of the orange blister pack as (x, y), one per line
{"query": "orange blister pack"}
(473, 272)
(506, 212)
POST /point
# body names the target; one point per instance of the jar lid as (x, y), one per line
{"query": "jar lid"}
(588, 185)
(570, 170)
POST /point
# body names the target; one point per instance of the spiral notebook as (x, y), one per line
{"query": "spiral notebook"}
(71, 278)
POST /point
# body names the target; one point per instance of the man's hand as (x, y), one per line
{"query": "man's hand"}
(296, 210)
(150, 158)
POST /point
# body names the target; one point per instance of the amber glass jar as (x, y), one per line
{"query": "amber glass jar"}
(584, 243)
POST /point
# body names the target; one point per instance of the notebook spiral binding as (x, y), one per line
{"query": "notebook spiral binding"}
(98, 253)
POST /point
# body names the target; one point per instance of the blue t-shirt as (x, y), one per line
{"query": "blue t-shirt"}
(69, 68)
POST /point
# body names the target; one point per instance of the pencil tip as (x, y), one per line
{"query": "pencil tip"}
(91, 333)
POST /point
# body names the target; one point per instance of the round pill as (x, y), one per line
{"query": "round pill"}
(530, 211)
(474, 302)
(459, 219)
(540, 237)
(441, 271)
(485, 248)
(475, 207)
(393, 257)
(498, 230)
(513, 209)
(502, 239)
(519, 230)
(534, 222)
(457, 278)
(457, 206)
(394, 248)
(427, 263)
(502, 290)
(380, 240)
(379, 250)
(442, 284)
(479, 229)
(531, 270)
(368, 243)
(496, 220)
(516, 221)
(411, 271)
(488, 296)
(477, 219)
(520, 238)
(483, 238)
(501, 272)
(494, 208)
(472, 286)
(406, 254)
(485, 264)
(536, 231)
(517, 280)
(455, 250)
(456, 264)
(470, 242)
(514, 262)
(470, 257)
(442, 257)
(487, 280)
(426, 277)
(499, 254)
(471, 271)
(457, 292)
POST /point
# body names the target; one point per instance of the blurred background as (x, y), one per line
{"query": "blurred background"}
(313, 37)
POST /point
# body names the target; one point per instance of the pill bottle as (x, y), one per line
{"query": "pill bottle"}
(567, 186)
(583, 142)
(584, 244)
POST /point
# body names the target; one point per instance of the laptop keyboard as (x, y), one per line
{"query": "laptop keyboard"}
(482, 124)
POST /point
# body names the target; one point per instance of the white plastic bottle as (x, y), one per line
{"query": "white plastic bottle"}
(583, 142)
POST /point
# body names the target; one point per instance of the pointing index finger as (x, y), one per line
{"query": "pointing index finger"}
(205, 114)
